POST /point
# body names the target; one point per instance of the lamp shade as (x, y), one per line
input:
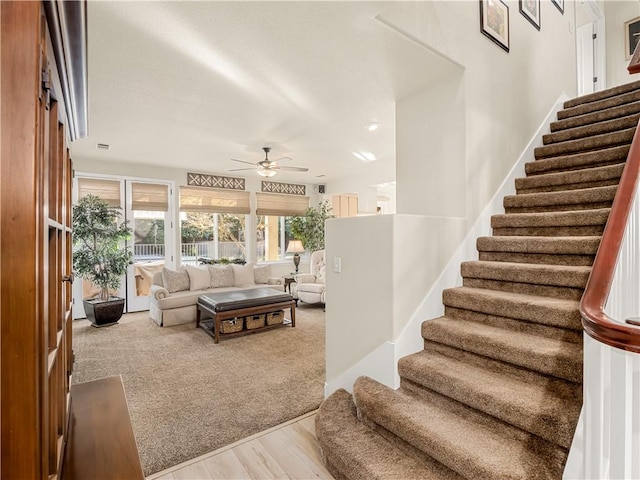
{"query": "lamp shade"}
(295, 246)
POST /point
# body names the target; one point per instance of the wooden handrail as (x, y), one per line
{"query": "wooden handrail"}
(596, 323)
(634, 63)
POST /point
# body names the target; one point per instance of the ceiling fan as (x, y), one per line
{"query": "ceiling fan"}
(268, 168)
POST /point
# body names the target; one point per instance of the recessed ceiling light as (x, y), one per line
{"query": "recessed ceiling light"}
(366, 157)
(373, 126)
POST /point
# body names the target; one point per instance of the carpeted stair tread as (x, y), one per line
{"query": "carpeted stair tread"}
(571, 180)
(576, 251)
(536, 403)
(564, 163)
(548, 356)
(472, 447)
(601, 95)
(557, 275)
(568, 223)
(550, 245)
(630, 97)
(581, 199)
(598, 128)
(357, 452)
(557, 312)
(596, 117)
(595, 142)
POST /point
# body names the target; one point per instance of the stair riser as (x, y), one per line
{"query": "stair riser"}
(590, 130)
(603, 94)
(589, 199)
(525, 288)
(568, 186)
(542, 246)
(599, 105)
(571, 163)
(518, 257)
(543, 276)
(559, 208)
(589, 144)
(563, 334)
(560, 387)
(565, 367)
(596, 117)
(583, 231)
(556, 429)
(555, 315)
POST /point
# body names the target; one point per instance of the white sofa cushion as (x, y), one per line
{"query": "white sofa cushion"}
(261, 273)
(311, 287)
(175, 280)
(243, 275)
(221, 276)
(199, 278)
(185, 299)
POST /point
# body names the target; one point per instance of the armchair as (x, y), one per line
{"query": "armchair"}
(310, 287)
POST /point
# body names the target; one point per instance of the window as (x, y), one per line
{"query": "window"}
(212, 223)
(211, 235)
(273, 231)
(273, 235)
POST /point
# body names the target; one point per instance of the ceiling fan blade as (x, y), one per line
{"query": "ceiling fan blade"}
(291, 169)
(242, 161)
(284, 159)
(239, 169)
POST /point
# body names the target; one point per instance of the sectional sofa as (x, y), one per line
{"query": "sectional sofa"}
(174, 293)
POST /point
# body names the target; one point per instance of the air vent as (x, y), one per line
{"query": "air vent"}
(102, 146)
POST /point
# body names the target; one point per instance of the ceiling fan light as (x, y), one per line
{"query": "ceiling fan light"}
(266, 172)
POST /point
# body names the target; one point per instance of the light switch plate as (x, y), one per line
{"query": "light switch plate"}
(337, 264)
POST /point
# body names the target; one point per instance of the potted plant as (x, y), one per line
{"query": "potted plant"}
(99, 256)
(309, 228)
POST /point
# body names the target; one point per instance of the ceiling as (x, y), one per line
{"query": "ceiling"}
(191, 85)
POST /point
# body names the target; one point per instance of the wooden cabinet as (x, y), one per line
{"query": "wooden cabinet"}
(345, 205)
(35, 251)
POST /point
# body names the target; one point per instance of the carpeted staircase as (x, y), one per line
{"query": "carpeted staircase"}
(497, 391)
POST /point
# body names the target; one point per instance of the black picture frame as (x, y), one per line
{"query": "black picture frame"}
(559, 5)
(631, 36)
(530, 9)
(494, 22)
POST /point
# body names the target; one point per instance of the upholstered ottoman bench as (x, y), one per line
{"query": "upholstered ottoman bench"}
(240, 305)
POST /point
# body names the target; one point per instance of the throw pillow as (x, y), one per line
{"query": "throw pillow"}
(243, 275)
(175, 280)
(221, 276)
(261, 273)
(199, 278)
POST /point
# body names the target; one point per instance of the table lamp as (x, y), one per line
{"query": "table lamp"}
(295, 247)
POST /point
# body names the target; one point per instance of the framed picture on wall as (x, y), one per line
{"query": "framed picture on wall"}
(494, 22)
(530, 9)
(559, 5)
(631, 36)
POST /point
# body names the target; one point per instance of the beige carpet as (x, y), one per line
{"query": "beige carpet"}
(188, 396)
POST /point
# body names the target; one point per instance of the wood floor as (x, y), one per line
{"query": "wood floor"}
(289, 450)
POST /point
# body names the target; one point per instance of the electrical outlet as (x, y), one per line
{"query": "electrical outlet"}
(337, 264)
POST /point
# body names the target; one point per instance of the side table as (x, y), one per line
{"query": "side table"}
(287, 283)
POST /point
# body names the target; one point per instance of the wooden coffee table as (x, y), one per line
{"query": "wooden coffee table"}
(243, 303)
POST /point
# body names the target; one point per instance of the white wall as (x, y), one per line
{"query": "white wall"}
(430, 150)
(616, 14)
(456, 141)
